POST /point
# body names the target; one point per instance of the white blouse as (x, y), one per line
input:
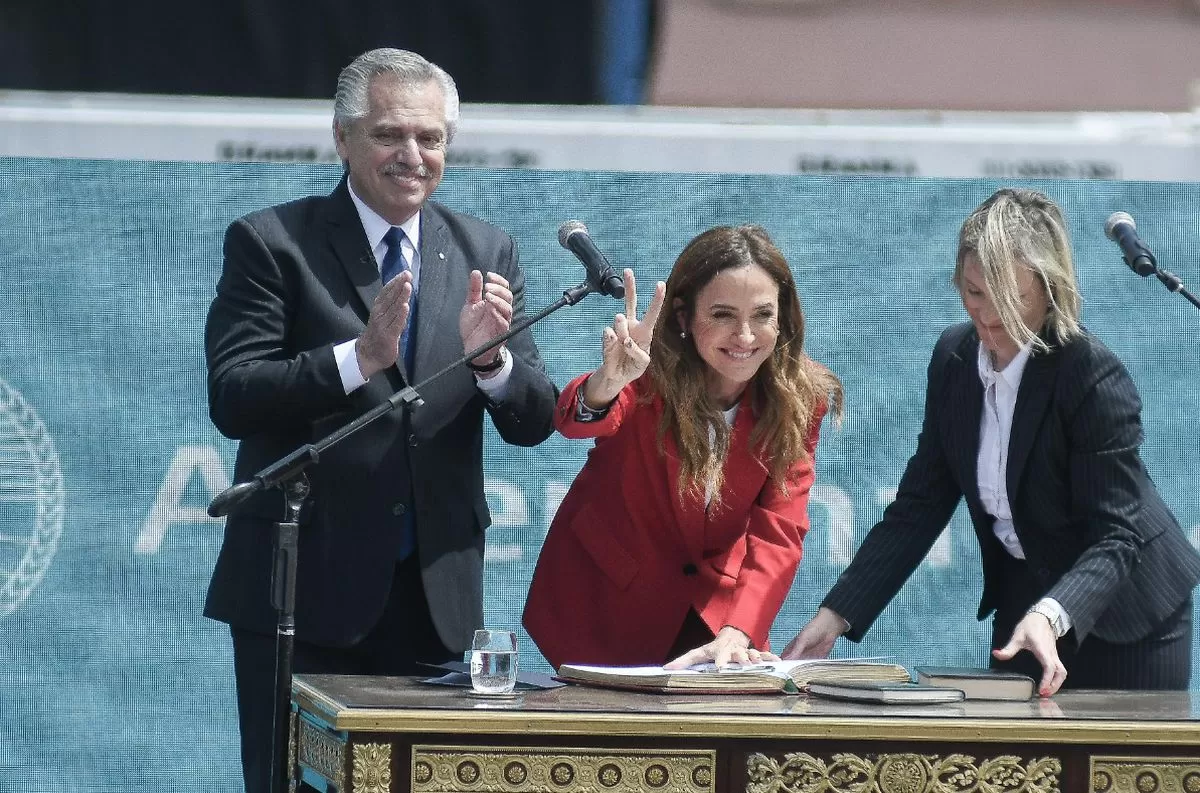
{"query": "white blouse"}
(995, 431)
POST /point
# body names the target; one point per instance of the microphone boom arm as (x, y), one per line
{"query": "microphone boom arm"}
(1173, 284)
(279, 473)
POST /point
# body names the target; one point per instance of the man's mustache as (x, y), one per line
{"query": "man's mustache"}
(396, 169)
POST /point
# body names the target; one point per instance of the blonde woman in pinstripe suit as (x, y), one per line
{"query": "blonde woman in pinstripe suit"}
(1037, 424)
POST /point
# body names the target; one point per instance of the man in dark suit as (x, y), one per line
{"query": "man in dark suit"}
(327, 306)
(1037, 425)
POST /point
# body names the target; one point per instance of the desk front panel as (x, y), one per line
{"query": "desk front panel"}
(392, 735)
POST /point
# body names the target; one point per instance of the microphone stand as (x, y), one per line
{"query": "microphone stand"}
(1173, 284)
(1168, 278)
(288, 475)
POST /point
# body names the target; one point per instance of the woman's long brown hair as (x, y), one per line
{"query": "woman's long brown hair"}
(784, 393)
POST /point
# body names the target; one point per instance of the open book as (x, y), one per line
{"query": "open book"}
(779, 676)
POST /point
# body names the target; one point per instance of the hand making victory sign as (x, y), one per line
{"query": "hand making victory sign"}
(626, 347)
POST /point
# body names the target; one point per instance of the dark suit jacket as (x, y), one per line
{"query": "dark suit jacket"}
(625, 557)
(1095, 531)
(298, 279)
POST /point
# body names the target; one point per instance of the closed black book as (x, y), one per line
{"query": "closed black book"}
(978, 683)
(885, 693)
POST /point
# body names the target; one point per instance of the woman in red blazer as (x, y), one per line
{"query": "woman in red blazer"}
(683, 532)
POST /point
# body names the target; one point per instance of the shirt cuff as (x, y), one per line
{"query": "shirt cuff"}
(496, 386)
(346, 355)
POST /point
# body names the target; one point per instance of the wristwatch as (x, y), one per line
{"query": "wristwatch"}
(1054, 616)
(491, 366)
(583, 413)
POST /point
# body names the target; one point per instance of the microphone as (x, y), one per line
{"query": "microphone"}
(277, 473)
(230, 497)
(573, 235)
(1121, 229)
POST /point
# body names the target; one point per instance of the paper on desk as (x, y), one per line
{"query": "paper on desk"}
(779, 668)
(458, 674)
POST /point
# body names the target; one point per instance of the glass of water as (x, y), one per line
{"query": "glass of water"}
(494, 662)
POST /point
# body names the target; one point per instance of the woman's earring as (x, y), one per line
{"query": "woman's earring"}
(683, 334)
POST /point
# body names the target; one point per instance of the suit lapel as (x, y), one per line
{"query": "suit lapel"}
(744, 477)
(1033, 398)
(744, 472)
(689, 510)
(437, 262)
(962, 404)
(349, 243)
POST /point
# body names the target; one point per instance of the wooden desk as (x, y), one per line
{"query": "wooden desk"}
(379, 735)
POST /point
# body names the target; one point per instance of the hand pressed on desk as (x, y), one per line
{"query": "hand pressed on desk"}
(1033, 633)
(815, 640)
(731, 668)
(730, 646)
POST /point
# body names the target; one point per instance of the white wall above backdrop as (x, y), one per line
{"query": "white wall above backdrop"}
(969, 144)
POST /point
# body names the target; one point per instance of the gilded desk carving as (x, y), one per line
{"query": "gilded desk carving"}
(1145, 774)
(515, 769)
(291, 750)
(371, 770)
(323, 753)
(901, 773)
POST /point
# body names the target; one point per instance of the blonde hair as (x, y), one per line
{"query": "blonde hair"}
(1017, 228)
(784, 393)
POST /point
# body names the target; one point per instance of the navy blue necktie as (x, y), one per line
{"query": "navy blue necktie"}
(394, 263)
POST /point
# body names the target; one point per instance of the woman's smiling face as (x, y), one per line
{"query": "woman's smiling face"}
(734, 325)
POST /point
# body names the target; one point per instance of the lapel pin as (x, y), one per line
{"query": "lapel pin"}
(441, 255)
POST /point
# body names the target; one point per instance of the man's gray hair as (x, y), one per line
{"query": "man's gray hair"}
(351, 102)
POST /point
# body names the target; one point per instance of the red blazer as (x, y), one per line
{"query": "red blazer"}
(625, 558)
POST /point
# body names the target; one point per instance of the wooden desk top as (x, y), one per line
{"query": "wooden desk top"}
(400, 704)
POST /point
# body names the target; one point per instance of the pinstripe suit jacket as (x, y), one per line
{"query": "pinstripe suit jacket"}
(1095, 531)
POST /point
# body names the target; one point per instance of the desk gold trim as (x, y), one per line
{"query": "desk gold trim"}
(510, 769)
(322, 753)
(372, 767)
(901, 773)
(771, 727)
(1145, 774)
(291, 749)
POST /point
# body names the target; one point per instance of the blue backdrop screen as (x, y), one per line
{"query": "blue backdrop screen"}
(111, 678)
